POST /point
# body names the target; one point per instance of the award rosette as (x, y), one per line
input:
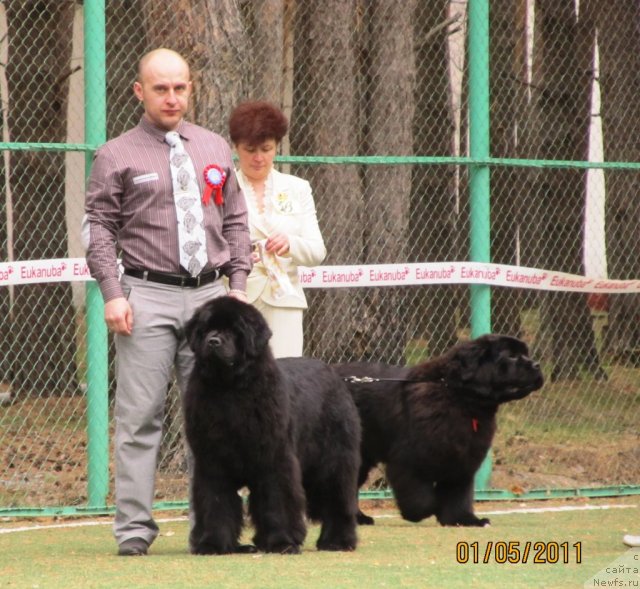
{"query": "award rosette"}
(214, 178)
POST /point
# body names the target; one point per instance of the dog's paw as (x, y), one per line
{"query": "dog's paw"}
(337, 546)
(205, 550)
(208, 549)
(468, 521)
(285, 549)
(476, 522)
(364, 520)
(245, 549)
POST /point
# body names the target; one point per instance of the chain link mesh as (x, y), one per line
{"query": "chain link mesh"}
(356, 77)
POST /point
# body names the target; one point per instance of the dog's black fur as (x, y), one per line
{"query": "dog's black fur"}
(433, 434)
(286, 429)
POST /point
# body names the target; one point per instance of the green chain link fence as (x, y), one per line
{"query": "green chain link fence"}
(405, 116)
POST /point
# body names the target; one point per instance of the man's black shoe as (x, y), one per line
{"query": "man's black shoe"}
(133, 547)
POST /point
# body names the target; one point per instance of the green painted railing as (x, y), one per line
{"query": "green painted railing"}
(373, 160)
(479, 179)
(97, 347)
(382, 495)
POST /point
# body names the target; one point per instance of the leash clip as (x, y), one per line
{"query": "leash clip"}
(365, 379)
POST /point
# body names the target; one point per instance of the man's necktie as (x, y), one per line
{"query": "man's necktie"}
(186, 193)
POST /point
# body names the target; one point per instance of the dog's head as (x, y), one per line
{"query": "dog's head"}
(227, 332)
(496, 368)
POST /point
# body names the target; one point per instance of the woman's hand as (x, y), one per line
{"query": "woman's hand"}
(278, 244)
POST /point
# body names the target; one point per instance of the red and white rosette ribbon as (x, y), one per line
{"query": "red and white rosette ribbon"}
(214, 178)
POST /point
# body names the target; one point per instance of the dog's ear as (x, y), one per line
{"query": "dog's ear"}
(465, 360)
(192, 328)
(514, 345)
(255, 331)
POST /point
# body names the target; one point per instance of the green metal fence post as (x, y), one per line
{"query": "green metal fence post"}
(479, 176)
(97, 347)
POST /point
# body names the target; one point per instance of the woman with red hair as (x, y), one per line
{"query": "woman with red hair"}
(282, 221)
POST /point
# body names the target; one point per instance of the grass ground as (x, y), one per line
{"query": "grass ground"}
(393, 553)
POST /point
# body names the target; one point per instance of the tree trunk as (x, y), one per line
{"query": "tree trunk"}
(6, 253)
(529, 119)
(619, 44)
(388, 100)
(265, 26)
(562, 93)
(123, 53)
(507, 186)
(42, 338)
(211, 35)
(324, 121)
(435, 217)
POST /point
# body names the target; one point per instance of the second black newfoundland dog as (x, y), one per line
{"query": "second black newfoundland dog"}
(287, 429)
(433, 424)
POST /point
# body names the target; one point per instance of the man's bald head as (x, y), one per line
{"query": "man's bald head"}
(160, 57)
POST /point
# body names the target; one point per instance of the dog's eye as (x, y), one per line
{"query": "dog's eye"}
(504, 364)
(213, 340)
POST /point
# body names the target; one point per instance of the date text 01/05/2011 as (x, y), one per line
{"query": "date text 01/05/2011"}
(515, 552)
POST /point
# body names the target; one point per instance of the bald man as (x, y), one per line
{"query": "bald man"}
(130, 209)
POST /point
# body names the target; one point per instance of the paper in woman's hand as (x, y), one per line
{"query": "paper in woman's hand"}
(279, 281)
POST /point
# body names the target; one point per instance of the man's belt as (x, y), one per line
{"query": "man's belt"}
(175, 279)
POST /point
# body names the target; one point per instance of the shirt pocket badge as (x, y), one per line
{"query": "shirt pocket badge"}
(283, 203)
(144, 178)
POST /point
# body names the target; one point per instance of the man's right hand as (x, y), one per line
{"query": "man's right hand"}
(119, 316)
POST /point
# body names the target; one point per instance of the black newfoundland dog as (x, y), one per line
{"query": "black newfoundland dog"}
(286, 429)
(433, 424)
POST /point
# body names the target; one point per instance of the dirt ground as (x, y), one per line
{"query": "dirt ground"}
(36, 473)
(528, 465)
(43, 461)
